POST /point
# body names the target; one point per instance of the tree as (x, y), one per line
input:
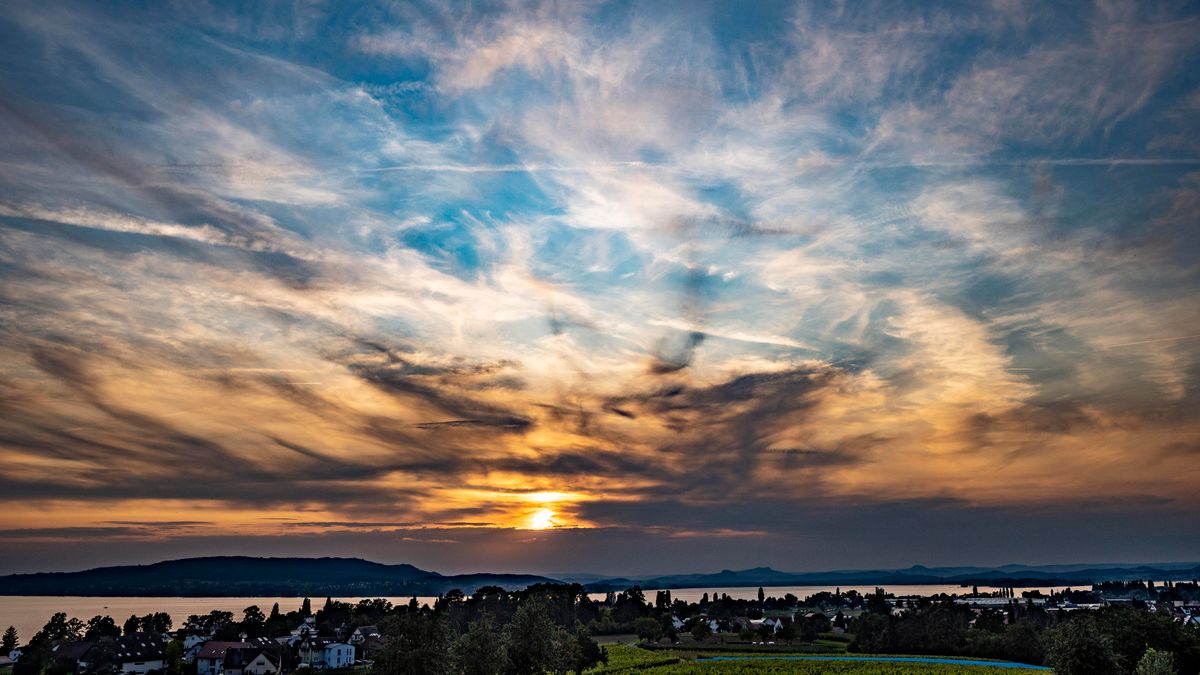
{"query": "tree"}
(761, 595)
(9, 642)
(253, 621)
(701, 631)
(416, 643)
(306, 608)
(158, 622)
(648, 628)
(61, 629)
(34, 656)
(1077, 647)
(587, 653)
(174, 657)
(479, 650)
(101, 627)
(872, 633)
(1155, 662)
(132, 624)
(811, 627)
(1022, 642)
(787, 632)
(529, 640)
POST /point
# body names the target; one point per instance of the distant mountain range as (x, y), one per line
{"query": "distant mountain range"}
(1005, 575)
(348, 577)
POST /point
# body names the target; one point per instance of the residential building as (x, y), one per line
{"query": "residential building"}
(135, 654)
(326, 654)
(251, 661)
(361, 634)
(210, 660)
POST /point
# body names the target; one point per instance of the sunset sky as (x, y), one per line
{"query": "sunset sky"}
(619, 288)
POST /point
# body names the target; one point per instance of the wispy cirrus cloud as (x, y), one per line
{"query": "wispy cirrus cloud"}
(377, 267)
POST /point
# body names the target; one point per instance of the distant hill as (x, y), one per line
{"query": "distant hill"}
(353, 577)
(1007, 575)
(248, 576)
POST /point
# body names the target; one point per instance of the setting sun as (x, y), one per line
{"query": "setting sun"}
(542, 519)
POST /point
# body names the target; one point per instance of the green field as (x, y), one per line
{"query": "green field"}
(624, 658)
(825, 668)
(629, 659)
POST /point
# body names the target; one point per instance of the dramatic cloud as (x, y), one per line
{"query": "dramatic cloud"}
(794, 284)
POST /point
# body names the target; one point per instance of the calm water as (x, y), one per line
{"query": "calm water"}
(29, 613)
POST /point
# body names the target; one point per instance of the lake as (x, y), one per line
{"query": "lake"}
(30, 613)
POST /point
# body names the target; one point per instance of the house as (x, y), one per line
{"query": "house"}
(251, 661)
(361, 634)
(192, 644)
(307, 630)
(210, 660)
(371, 644)
(326, 654)
(135, 654)
(67, 656)
(339, 655)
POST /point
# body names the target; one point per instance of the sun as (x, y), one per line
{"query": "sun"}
(542, 519)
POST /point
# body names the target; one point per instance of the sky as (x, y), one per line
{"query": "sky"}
(592, 287)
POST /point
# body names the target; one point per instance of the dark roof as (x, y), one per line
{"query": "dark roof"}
(367, 631)
(238, 657)
(214, 649)
(72, 651)
(140, 647)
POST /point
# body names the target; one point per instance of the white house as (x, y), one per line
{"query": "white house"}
(338, 655)
(326, 654)
(192, 644)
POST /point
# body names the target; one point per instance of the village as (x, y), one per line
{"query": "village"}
(343, 637)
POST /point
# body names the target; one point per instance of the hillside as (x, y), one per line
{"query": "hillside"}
(243, 575)
(249, 576)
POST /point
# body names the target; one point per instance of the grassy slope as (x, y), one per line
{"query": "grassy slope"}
(628, 659)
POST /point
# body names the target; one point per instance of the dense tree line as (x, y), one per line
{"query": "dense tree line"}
(493, 632)
(1108, 641)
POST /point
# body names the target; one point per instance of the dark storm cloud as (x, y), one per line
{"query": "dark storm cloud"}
(724, 433)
